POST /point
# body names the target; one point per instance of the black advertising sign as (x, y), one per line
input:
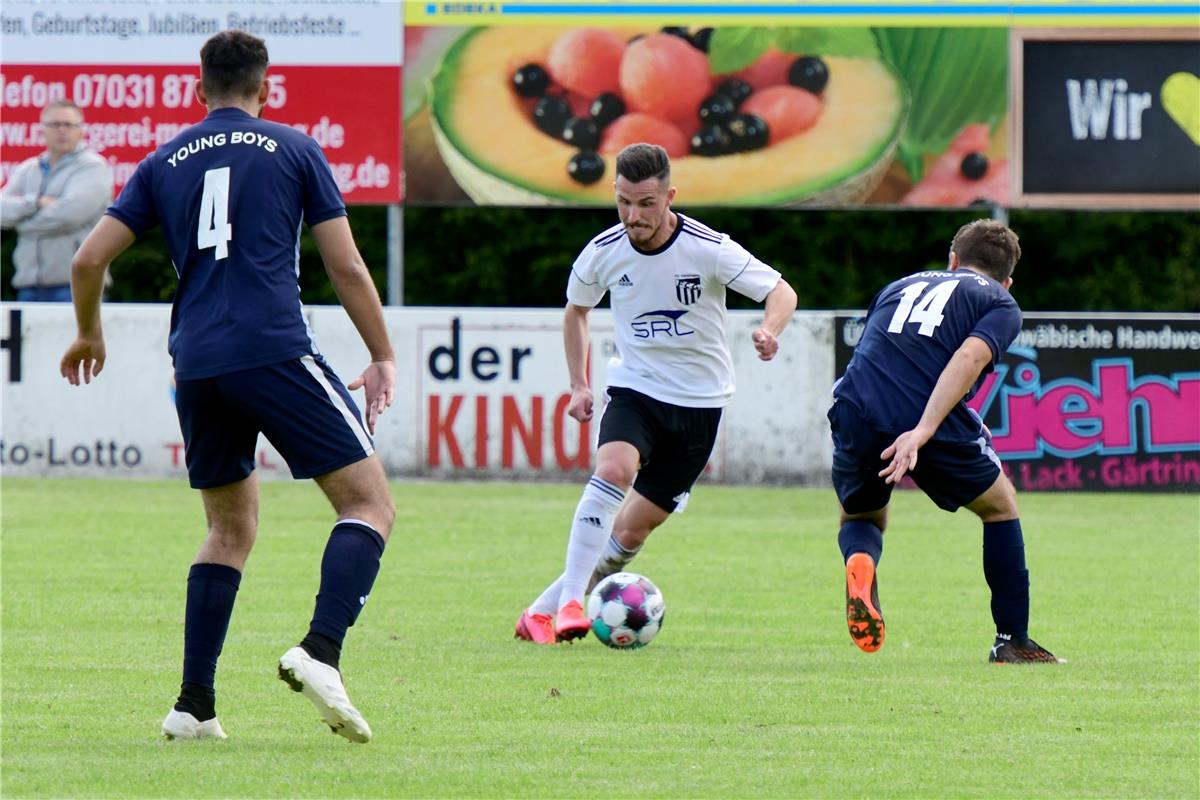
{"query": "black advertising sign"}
(1098, 403)
(1107, 118)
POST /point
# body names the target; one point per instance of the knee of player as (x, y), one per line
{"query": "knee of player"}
(236, 535)
(631, 537)
(999, 508)
(387, 513)
(616, 473)
(998, 513)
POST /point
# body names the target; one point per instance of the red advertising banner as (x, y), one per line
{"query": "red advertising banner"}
(132, 109)
(132, 68)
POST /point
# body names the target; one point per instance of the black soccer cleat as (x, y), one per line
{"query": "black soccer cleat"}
(1006, 651)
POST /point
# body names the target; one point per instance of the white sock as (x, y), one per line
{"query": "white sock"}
(591, 529)
(547, 602)
(614, 559)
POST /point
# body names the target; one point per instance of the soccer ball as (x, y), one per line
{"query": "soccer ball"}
(626, 610)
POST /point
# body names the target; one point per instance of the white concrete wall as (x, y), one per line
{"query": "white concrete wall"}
(510, 419)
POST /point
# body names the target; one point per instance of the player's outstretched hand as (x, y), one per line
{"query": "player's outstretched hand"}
(86, 354)
(581, 406)
(379, 382)
(765, 343)
(903, 455)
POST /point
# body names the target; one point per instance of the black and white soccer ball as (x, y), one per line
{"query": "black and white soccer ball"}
(626, 610)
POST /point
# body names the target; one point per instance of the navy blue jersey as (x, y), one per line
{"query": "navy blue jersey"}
(913, 328)
(230, 193)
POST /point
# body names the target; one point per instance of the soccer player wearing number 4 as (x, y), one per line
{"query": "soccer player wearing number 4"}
(927, 343)
(667, 275)
(230, 193)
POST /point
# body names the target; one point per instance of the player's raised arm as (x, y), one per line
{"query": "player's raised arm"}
(356, 291)
(780, 305)
(87, 353)
(957, 378)
(575, 345)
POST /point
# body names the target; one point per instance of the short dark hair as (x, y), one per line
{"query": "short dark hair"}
(637, 162)
(233, 64)
(988, 245)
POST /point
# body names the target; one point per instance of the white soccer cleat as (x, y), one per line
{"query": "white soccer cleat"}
(322, 684)
(182, 725)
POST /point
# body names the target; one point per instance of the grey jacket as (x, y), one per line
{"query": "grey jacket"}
(47, 238)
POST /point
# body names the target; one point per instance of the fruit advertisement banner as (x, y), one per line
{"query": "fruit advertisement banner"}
(132, 68)
(750, 115)
(1108, 118)
(1090, 402)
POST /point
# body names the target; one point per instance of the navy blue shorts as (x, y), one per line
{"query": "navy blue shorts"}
(951, 473)
(301, 406)
(674, 442)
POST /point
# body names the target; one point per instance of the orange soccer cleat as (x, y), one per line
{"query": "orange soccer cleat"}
(571, 623)
(536, 628)
(863, 617)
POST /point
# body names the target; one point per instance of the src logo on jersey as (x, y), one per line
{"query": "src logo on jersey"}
(653, 324)
(687, 288)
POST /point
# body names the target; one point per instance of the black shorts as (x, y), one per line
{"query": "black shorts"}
(951, 473)
(301, 406)
(674, 442)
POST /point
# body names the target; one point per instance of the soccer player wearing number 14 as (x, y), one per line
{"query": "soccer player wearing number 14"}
(928, 341)
(230, 194)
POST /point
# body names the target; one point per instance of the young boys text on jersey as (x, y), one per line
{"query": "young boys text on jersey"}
(230, 193)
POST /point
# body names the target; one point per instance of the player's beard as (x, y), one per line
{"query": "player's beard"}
(641, 232)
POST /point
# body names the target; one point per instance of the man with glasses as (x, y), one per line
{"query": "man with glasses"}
(53, 200)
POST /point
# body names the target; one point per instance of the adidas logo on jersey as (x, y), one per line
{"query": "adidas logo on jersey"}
(624, 281)
(595, 521)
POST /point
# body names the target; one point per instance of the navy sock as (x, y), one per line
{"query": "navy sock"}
(861, 536)
(322, 648)
(348, 571)
(1004, 569)
(199, 701)
(211, 591)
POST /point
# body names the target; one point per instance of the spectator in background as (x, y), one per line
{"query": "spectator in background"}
(53, 200)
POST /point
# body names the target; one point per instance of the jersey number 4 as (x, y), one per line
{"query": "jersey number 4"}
(214, 229)
(927, 311)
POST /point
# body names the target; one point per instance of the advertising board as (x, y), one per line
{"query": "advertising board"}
(481, 394)
(1107, 118)
(1098, 402)
(132, 68)
(1095, 402)
(762, 115)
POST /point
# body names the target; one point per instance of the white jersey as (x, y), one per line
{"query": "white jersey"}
(668, 308)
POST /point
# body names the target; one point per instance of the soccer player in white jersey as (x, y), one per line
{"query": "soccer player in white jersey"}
(668, 275)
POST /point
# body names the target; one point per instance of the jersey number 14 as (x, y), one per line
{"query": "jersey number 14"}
(927, 311)
(214, 229)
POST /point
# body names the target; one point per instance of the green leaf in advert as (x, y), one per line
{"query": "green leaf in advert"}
(846, 42)
(732, 49)
(955, 77)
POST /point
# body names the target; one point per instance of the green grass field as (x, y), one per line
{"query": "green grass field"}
(753, 688)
